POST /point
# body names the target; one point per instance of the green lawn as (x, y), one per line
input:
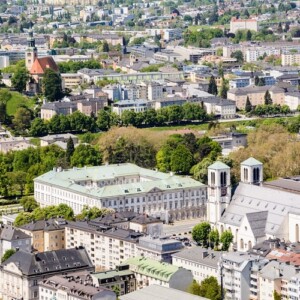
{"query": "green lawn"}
(16, 101)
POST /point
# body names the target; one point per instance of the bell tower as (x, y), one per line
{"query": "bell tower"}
(252, 171)
(31, 52)
(219, 191)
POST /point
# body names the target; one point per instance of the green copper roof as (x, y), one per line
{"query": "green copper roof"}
(153, 180)
(218, 165)
(151, 268)
(251, 162)
(111, 273)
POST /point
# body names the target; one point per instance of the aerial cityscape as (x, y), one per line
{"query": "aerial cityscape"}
(149, 150)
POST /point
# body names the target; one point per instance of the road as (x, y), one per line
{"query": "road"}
(181, 228)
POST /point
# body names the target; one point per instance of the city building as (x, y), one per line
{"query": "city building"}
(123, 187)
(14, 143)
(158, 248)
(71, 81)
(137, 105)
(255, 212)
(106, 246)
(20, 274)
(158, 292)
(222, 108)
(121, 278)
(73, 286)
(148, 272)
(292, 100)
(47, 235)
(256, 95)
(243, 24)
(4, 61)
(13, 238)
(202, 262)
(62, 138)
(290, 58)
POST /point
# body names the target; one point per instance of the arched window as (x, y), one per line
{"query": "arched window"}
(245, 174)
(223, 179)
(256, 175)
(249, 245)
(242, 244)
(213, 178)
(297, 233)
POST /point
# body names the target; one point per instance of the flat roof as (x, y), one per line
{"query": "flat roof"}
(158, 292)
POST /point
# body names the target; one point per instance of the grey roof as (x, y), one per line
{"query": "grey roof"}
(250, 198)
(257, 222)
(56, 261)
(200, 255)
(114, 232)
(10, 233)
(274, 270)
(251, 162)
(289, 184)
(46, 225)
(218, 165)
(158, 292)
(255, 89)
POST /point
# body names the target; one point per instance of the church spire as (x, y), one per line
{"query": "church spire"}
(31, 52)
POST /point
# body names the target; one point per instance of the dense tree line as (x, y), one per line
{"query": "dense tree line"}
(19, 168)
(79, 122)
(74, 66)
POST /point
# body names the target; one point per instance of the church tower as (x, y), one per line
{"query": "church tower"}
(31, 52)
(252, 171)
(219, 191)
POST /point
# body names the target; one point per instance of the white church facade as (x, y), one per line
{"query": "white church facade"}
(257, 210)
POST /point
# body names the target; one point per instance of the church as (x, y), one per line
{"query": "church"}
(257, 210)
(37, 66)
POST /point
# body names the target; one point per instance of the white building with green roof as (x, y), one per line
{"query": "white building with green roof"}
(149, 271)
(123, 187)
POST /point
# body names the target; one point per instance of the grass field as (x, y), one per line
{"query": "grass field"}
(16, 101)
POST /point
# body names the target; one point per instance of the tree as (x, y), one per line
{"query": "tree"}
(86, 155)
(22, 119)
(268, 99)
(23, 218)
(17, 181)
(38, 128)
(248, 106)
(209, 288)
(52, 87)
(212, 86)
(20, 79)
(248, 35)
(238, 55)
(214, 237)
(70, 149)
(279, 28)
(105, 47)
(91, 213)
(29, 203)
(276, 295)
(201, 232)
(261, 82)
(103, 120)
(224, 89)
(226, 239)
(181, 160)
(8, 253)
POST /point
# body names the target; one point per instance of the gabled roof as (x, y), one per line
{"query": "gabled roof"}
(56, 261)
(257, 222)
(251, 161)
(10, 233)
(41, 64)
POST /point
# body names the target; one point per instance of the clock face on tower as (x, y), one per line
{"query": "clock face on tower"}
(223, 191)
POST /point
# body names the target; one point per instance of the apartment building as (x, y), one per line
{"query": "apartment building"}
(256, 95)
(20, 274)
(73, 286)
(158, 248)
(290, 58)
(14, 143)
(201, 262)
(47, 235)
(240, 24)
(13, 238)
(137, 105)
(121, 278)
(123, 187)
(148, 272)
(106, 246)
(71, 81)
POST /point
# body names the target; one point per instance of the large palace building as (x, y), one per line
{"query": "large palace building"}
(123, 187)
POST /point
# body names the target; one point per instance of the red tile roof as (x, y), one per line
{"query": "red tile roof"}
(41, 64)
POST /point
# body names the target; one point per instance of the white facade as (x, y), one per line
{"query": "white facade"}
(4, 61)
(239, 24)
(290, 59)
(123, 187)
(137, 105)
(292, 100)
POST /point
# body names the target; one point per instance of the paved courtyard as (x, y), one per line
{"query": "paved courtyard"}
(180, 228)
